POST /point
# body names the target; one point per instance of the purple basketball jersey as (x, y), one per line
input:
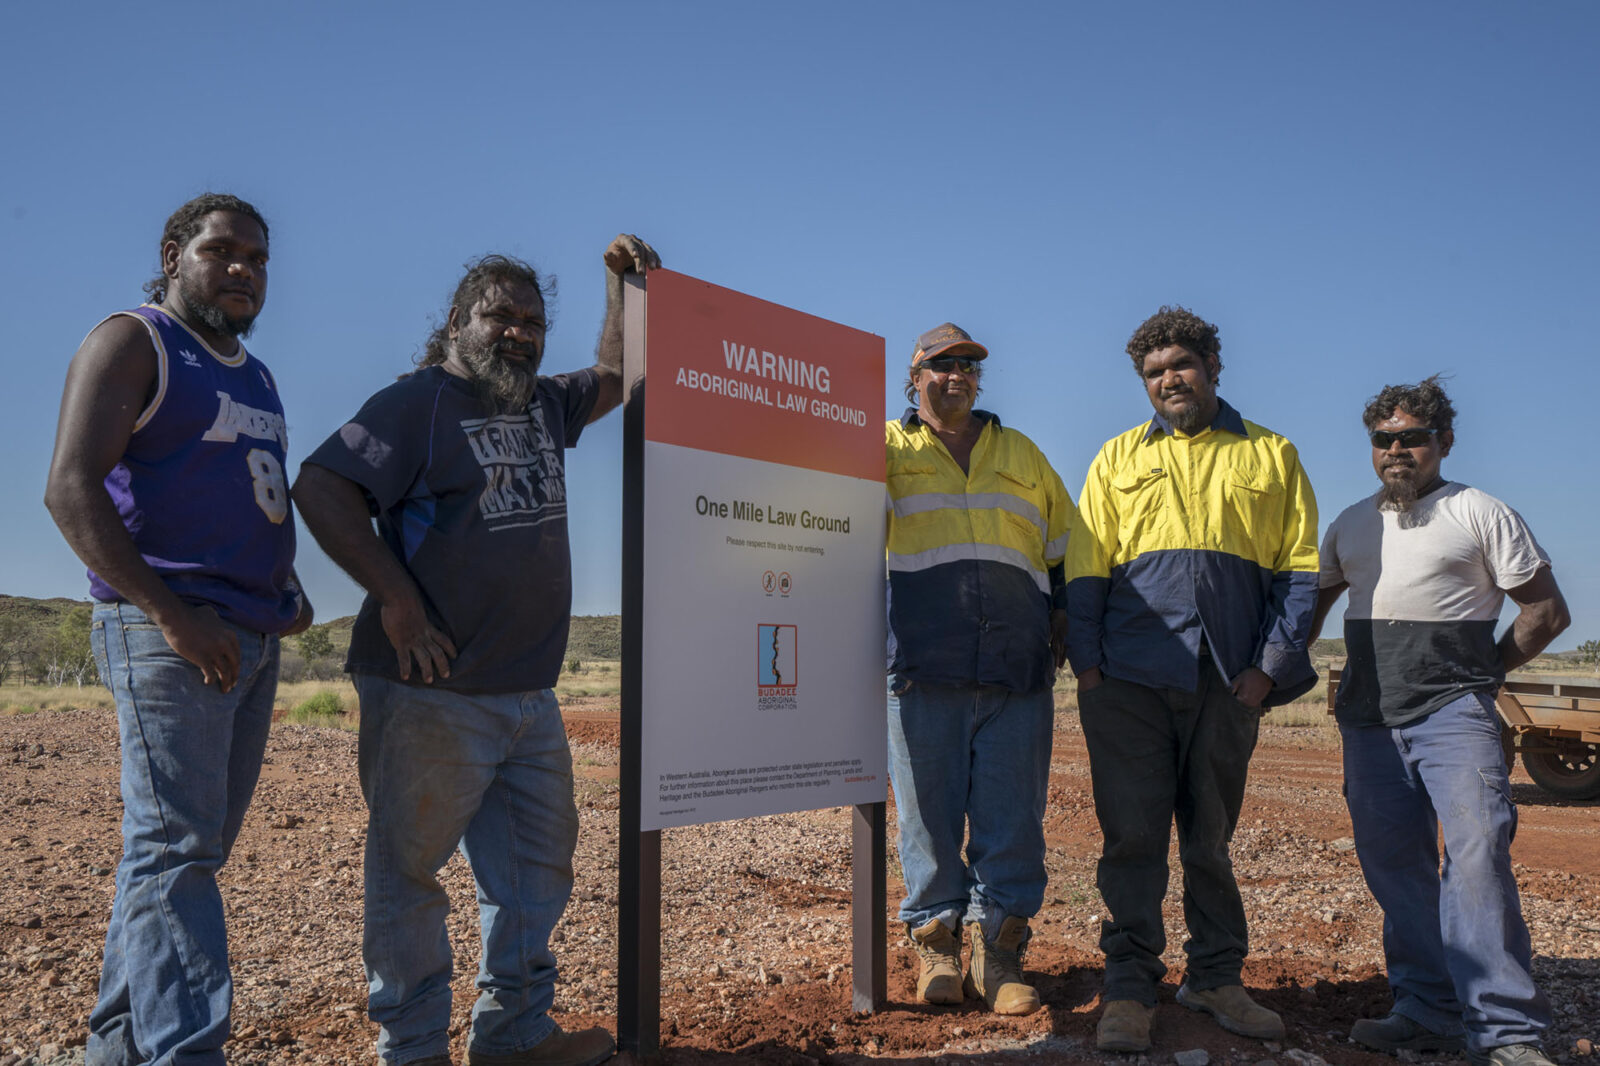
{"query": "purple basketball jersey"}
(201, 485)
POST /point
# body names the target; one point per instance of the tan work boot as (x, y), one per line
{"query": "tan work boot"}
(939, 962)
(1234, 1010)
(995, 973)
(586, 1047)
(1124, 1026)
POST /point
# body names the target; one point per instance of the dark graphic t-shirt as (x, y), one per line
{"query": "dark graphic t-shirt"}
(474, 505)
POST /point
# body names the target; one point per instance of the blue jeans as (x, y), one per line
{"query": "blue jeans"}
(1456, 947)
(1157, 755)
(970, 758)
(190, 759)
(492, 774)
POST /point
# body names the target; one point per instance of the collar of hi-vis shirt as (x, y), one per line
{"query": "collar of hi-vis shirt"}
(911, 418)
(1226, 418)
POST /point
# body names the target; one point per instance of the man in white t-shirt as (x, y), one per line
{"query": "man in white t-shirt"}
(1428, 564)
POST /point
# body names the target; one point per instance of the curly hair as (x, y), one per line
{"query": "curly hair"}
(1175, 325)
(185, 225)
(482, 274)
(1425, 401)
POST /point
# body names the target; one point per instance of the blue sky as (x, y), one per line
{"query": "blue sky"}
(1356, 194)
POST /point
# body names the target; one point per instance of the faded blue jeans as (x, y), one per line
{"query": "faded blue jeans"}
(492, 774)
(190, 759)
(1456, 947)
(970, 759)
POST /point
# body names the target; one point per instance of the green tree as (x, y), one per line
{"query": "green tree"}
(13, 644)
(1589, 652)
(66, 654)
(316, 644)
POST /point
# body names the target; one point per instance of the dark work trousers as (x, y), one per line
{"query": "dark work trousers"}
(1156, 753)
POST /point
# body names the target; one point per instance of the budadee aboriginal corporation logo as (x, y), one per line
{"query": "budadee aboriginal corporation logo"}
(777, 667)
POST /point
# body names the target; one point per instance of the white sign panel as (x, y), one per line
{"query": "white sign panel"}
(763, 628)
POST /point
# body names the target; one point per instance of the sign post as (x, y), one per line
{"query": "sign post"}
(753, 612)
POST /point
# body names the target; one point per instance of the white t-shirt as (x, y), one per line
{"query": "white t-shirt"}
(1426, 588)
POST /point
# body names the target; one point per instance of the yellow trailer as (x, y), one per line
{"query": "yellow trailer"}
(1554, 723)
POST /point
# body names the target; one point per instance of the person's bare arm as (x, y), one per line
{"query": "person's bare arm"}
(626, 253)
(1326, 598)
(1543, 616)
(335, 511)
(110, 381)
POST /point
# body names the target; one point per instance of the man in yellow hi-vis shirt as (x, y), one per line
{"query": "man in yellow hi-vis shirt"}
(978, 525)
(1192, 578)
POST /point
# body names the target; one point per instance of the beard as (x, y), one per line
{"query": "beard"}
(1400, 495)
(218, 320)
(504, 386)
(1188, 419)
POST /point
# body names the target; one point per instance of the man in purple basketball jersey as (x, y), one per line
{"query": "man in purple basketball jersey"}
(167, 480)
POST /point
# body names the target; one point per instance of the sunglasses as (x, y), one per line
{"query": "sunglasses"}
(944, 364)
(1383, 440)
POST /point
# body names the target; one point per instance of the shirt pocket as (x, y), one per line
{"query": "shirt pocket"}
(1026, 515)
(909, 480)
(1140, 499)
(1256, 498)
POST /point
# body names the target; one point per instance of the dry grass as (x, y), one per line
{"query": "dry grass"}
(594, 677)
(1308, 712)
(297, 693)
(29, 699)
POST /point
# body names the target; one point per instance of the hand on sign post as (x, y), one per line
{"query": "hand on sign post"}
(627, 252)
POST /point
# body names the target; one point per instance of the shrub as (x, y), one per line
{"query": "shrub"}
(325, 708)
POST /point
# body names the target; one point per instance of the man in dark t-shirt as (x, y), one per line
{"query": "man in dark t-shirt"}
(455, 651)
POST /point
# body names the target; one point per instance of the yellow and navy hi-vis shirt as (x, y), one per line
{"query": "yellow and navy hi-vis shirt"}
(975, 558)
(1183, 540)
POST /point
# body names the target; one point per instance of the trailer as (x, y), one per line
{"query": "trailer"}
(1553, 723)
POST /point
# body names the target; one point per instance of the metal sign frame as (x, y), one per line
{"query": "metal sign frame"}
(639, 862)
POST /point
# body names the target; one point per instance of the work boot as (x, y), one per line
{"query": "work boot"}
(1124, 1026)
(995, 972)
(939, 962)
(1509, 1055)
(1234, 1010)
(1396, 1032)
(586, 1047)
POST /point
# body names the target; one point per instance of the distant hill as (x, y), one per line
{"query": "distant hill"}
(595, 636)
(40, 639)
(27, 625)
(36, 614)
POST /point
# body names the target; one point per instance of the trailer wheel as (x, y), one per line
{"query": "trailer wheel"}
(1572, 771)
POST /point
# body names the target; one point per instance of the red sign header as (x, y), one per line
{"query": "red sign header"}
(732, 374)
